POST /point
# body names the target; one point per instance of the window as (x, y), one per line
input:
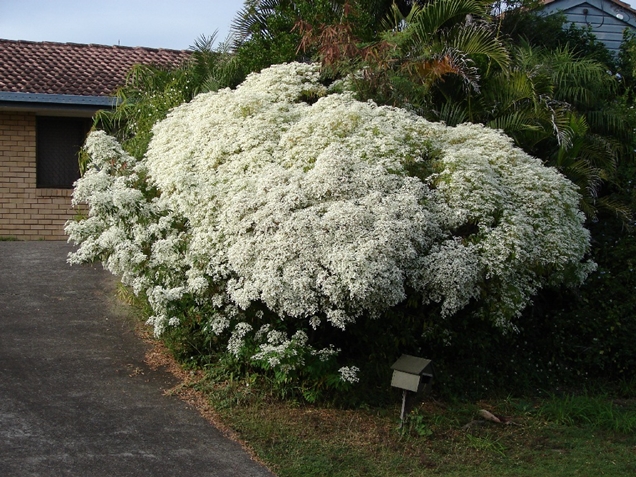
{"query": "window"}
(58, 144)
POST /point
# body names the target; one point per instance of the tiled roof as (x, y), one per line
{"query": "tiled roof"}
(74, 69)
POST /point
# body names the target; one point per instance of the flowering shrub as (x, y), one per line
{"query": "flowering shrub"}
(280, 209)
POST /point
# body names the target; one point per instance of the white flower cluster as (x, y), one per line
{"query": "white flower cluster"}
(132, 234)
(324, 208)
(349, 374)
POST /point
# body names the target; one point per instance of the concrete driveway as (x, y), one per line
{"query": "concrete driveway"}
(76, 398)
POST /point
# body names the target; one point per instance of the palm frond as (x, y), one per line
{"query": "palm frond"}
(252, 18)
(512, 90)
(601, 152)
(478, 39)
(436, 15)
(396, 21)
(516, 121)
(616, 207)
(612, 122)
(452, 114)
(578, 80)
(204, 43)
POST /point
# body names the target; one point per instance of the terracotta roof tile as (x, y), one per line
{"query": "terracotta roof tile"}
(71, 68)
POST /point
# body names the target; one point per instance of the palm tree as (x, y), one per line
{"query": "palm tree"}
(413, 53)
(151, 92)
(443, 37)
(556, 106)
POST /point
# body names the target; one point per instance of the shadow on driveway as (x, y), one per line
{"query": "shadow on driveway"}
(76, 398)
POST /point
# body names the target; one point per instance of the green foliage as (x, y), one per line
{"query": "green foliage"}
(148, 96)
(151, 92)
(569, 339)
(524, 23)
(592, 113)
(431, 49)
(265, 31)
(627, 66)
(599, 322)
(585, 44)
(416, 424)
(190, 343)
(303, 376)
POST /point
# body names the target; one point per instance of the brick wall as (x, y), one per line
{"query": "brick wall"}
(26, 212)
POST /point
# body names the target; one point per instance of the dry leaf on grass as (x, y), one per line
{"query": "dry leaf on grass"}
(489, 416)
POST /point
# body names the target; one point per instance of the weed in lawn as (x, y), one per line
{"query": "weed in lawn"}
(627, 388)
(487, 444)
(416, 424)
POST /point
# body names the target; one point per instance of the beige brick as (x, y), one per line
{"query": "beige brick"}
(26, 212)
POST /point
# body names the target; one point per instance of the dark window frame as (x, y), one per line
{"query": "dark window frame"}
(58, 142)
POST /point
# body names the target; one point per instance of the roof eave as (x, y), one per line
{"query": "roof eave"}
(619, 3)
(51, 103)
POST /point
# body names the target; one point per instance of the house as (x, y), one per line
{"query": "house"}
(607, 18)
(48, 94)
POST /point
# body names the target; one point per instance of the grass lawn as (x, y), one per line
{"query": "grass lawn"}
(570, 435)
(560, 436)
(448, 440)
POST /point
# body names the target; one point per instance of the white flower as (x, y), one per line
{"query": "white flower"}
(349, 374)
(235, 343)
(324, 210)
